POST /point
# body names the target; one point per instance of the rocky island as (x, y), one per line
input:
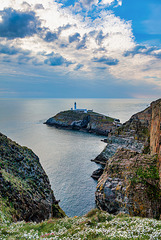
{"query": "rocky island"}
(25, 191)
(84, 120)
(131, 180)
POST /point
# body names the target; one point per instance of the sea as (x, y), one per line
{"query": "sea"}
(64, 154)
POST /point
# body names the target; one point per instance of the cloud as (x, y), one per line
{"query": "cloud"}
(63, 45)
(57, 60)
(11, 50)
(92, 33)
(26, 5)
(22, 59)
(143, 50)
(107, 2)
(64, 27)
(35, 62)
(90, 41)
(88, 3)
(106, 60)
(100, 37)
(79, 66)
(82, 43)
(6, 59)
(99, 3)
(74, 37)
(101, 68)
(39, 6)
(16, 24)
(8, 50)
(50, 37)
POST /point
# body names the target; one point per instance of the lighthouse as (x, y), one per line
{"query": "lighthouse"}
(75, 106)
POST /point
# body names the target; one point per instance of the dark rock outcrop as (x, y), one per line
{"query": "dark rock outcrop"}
(97, 173)
(24, 185)
(90, 122)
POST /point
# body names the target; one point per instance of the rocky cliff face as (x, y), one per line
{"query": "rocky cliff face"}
(90, 122)
(155, 131)
(130, 184)
(137, 126)
(114, 143)
(24, 186)
(130, 181)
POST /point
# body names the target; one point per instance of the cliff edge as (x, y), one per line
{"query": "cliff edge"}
(131, 181)
(25, 191)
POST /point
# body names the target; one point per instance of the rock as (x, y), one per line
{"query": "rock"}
(115, 143)
(155, 131)
(91, 122)
(133, 165)
(136, 190)
(97, 173)
(24, 184)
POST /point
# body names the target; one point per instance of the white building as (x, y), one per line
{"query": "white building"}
(78, 109)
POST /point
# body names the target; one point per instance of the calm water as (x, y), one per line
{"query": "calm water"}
(65, 155)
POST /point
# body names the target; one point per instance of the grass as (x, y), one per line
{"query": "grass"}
(16, 182)
(6, 211)
(75, 116)
(94, 225)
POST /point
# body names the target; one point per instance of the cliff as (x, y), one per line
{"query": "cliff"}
(90, 122)
(137, 126)
(155, 132)
(25, 191)
(132, 176)
(130, 184)
(116, 142)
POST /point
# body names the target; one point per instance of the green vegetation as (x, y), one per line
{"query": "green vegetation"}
(75, 116)
(6, 211)
(95, 225)
(149, 176)
(149, 172)
(16, 182)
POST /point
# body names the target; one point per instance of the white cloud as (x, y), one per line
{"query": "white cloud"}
(110, 2)
(107, 2)
(107, 36)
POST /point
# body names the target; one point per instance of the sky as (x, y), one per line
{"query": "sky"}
(80, 49)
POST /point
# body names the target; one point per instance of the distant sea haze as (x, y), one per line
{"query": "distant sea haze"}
(64, 154)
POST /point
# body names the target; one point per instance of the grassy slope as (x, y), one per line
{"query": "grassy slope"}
(95, 225)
